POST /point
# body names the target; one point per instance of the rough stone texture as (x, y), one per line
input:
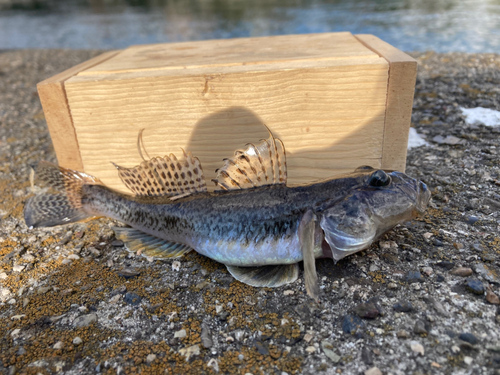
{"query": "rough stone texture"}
(463, 221)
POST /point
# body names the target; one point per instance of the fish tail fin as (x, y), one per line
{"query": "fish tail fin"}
(47, 210)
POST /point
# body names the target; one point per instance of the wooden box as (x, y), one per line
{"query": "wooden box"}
(336, 100)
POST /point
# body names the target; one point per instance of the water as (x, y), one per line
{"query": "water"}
(410, 25)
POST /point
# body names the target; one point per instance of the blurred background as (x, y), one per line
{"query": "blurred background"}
(410, 25)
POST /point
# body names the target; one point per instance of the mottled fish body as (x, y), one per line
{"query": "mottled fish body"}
(254, 224)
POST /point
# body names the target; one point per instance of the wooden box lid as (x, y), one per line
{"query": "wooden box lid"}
(336, 100)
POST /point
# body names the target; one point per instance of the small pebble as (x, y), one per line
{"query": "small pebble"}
(492, 298)
(475, 286)
(462, 271)
(419, 327)
(446, 265)
(468, 360)
(366, 310)
(176, 265)
(308, 337)
(132, 299)
(403, 306)
(77, 340)
(310, 349)
(472, 220)
(416, 347)
(206, 336)
(15, 333)
(117, 243)
(18, 268)
(468, 337)
(402, 334)
(150, 358)
(85, 320)
(352, 324)
(392, 285)
(428, 271)
(414, 277)
(288, 292)
(180, 334)
(328, 350)
(455, 349)
(366, 356)
(373, 371)
(58, 345)
(261, 348)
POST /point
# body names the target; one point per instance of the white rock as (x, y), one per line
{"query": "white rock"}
(77, 340)
(3, 276)
(218, 308)
(455, 349)
(150, 358)
(180, 334)
(73, 257)
(415, 140)
(17, 317)
(4, 294)
(373, 371)
(468, 360)
(288, 292)
(18, 268)
(428, 271)
(58, 345)
(176, 265)
(416, 347)
(213, 364)
(15, 333)
(480, 115)
(310, 349)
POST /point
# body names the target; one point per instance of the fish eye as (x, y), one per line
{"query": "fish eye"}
(379, 179)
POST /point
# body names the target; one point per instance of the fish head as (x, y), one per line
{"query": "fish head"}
(383, 200)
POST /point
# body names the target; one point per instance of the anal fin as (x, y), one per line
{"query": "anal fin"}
(266, 276)
(149, 246)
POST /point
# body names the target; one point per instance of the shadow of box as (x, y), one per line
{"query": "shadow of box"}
(336, 100)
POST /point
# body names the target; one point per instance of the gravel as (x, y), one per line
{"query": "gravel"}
(406, 305)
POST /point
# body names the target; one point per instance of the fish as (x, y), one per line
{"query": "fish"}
(253, 222)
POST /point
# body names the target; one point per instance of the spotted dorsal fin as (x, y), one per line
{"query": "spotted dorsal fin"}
(256, 165)
(164, 176)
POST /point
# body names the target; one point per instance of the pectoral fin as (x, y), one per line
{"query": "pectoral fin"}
(148, 245)
(306, 238)
(266, 276)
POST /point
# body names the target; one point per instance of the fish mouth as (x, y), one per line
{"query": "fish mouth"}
(423, 197)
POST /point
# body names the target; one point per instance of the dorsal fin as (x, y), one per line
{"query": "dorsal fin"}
(256, 165)
(164, 176)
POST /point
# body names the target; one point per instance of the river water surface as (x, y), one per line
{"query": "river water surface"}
(410, 25)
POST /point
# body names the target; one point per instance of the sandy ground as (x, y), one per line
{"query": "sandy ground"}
(423, 300)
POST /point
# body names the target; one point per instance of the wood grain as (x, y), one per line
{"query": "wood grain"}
(330, 118)
(57, 114)
(234, 52)
(401, 87)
